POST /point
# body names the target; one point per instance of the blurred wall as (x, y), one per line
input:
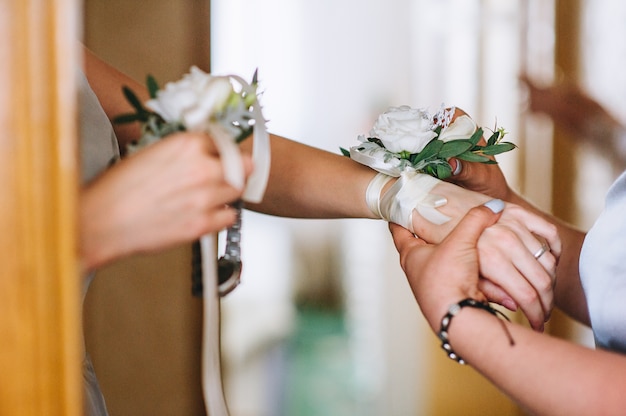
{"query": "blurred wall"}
(142, 324)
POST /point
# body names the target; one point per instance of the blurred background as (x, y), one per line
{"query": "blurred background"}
(324, 322)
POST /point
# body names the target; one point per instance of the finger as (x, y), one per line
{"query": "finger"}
(546, 258)
(496, 294)
(511, 265)
(540, 227)
(476, 220)
(541, 278)
(403, 238)
(534, 251)
(248, 164)
(506, 275)
(217, 220)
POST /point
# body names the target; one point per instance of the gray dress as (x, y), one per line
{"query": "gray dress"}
(98, 150)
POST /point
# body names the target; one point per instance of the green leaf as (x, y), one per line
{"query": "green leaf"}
(127, 118)
(152, 85)
(376, 140)
(244, 134)
(496, 149)
(444, 171)
(431, 170)
(493, 139)
(255, 77)
(431, 149)
(344, 152)
(473, 157)
(133, 100)
(478, 134)
(454, 148)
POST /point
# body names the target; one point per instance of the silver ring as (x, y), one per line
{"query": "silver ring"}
(541, 251)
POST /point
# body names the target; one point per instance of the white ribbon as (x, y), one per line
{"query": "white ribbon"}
(261, 154)
(372, 155)
(214, 399)
(411, 192)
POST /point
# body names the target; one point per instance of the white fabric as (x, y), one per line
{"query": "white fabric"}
(411, 192)
(372, 194)
(603, 271)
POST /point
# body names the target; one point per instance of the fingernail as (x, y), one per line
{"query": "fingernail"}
(495, 205)
(458, 168)
(510, 305)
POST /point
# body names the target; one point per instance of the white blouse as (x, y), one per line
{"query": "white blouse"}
(603, 271)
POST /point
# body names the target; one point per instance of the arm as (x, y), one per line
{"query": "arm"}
(107, 82)
(170, 193)
(310, 183)
(569, 296)
(306, 182)
(543, 374)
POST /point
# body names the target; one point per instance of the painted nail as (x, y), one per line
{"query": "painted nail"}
(495, 205)
(458, 168)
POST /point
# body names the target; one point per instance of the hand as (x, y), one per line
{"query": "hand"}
(511, 276)
(509, 269)
(569, 107)
(483, 178)
(443, 274)
(168, 193)
(486, 179)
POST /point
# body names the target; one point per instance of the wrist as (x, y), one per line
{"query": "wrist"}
(456, 308)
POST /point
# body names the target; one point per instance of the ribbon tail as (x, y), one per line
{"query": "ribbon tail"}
(431, 214)
(214, 398)
(230, 155)
(261, 156)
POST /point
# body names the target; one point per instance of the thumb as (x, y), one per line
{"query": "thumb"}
(475, 221)
(465, 172)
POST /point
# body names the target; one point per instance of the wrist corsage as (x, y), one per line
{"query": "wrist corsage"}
(228, 110)
(225, 107)
(415, 147)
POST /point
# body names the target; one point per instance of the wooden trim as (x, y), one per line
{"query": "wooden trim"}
(564, 204)
(567, 57)
(40, 351)
(200, 33)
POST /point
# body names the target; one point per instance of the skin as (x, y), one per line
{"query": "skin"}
(174, 192)
(568, 292)
(581, 117)
(544, 374)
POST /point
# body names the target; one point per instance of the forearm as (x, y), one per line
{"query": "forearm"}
(542, 373)
(306, 182)
(107, 83)
(569, 295)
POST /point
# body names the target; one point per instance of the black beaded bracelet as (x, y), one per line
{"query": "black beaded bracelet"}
(455, 309)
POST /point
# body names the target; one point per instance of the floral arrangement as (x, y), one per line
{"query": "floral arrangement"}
(226, 107)
(408, 139)
(192, 104)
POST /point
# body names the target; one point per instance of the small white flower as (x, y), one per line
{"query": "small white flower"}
(192, 100)
(404, 129)
(461, 128)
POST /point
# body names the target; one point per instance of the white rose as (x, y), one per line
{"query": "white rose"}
(192, 100)
(461, 128)
(404, 129)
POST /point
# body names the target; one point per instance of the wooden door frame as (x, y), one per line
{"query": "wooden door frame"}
(40, 349)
